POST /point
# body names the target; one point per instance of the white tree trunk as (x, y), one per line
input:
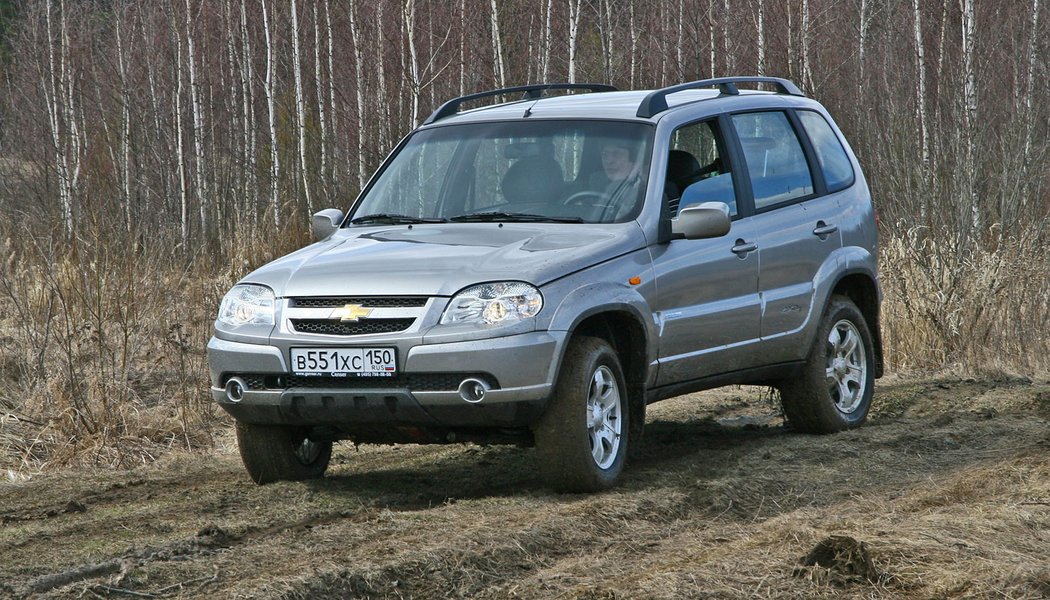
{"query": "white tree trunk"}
(1030, 91)
(409, 18)
(920, 90)
(634, 46)
(180, 155)
(548, 41)
(462, 47)
(248, 108)
(761, 38)
(384, 106)
(711, 42)
(331, 84)
(497, 45)
(355, 38)
(575, 7)
(727, 56)
(322, 121)
(807, 69)
(969, 22)
(270, 91)
(200, 182)
(300, 106)
(124, 163)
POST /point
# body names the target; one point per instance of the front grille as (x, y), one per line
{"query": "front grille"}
(419, 382)
(359, 327)
(368, 301)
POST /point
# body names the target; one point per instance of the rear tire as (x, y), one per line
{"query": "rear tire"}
(834, 390)
(582, 438)
(274, 453)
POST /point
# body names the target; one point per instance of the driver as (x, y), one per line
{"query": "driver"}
(620, 179)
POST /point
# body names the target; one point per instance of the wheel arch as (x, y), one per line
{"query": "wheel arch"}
(861, 288)
(623, 329)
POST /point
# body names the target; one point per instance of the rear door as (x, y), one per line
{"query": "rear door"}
(795, 225)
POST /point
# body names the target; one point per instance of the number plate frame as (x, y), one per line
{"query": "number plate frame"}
(343, 361)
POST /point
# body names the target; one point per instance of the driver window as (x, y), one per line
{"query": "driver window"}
(695, 163)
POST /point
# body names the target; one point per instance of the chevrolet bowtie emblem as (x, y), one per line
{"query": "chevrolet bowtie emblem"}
(350, 312)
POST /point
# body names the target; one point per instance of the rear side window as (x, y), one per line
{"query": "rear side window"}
(838, 172)
(776, 163)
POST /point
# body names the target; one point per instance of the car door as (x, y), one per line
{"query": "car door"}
(707, 308)
(795, 226)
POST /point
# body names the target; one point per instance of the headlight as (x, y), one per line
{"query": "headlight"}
(247, 305)
(494, 303)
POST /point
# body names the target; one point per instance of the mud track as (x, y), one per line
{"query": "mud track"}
(946, 492)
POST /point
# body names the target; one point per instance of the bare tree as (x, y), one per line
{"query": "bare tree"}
(497, 46)
(969, 133)
(300, 105)
(270, 91)
(575, 9)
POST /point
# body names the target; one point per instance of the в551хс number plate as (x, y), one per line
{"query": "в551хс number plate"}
(344, 362)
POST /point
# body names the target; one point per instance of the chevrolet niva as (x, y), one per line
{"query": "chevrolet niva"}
(537, 271)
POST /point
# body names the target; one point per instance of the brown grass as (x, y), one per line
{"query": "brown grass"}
(974, 310)
(103, 345)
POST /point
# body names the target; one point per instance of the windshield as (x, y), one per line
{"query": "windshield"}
(557, 171)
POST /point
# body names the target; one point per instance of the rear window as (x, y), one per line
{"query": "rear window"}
(776, 163)
(838, 172)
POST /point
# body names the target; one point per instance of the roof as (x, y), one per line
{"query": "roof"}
(603, 101)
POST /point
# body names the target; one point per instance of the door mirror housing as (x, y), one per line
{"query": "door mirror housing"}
(325, 222)
(705, 220)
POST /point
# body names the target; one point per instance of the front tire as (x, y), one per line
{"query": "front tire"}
(837, 381)
(274, 453)
(582, 438)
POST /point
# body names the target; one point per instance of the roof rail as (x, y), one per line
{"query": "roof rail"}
(531, 92)
(656, 102)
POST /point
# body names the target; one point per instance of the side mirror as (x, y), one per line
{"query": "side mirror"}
(706, 220)
(325, 222)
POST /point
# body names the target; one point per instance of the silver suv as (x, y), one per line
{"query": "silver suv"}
(536, 272)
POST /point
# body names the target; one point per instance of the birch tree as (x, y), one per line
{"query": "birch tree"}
(920, 88)
(575, 7)
(969, 133)
(124, 163)
(269, 90)
(200, 175)
(497, 46)
(300, 106)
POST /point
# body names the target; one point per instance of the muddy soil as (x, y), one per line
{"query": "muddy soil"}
(945, 493)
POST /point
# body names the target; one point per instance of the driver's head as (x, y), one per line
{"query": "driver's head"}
(618, 159)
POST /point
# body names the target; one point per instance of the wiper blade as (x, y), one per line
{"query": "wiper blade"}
(484, 217)
(394, 219)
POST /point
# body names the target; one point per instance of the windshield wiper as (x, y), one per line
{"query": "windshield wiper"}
(484, 217)
(394, 219)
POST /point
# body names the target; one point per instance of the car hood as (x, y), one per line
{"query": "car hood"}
(441, 259)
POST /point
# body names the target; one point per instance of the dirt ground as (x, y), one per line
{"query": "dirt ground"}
(945, 493)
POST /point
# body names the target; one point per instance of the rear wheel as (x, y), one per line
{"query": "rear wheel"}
(276, 453)
(582, 439)
(835, 388)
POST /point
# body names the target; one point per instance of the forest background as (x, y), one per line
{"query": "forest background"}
(151, 153)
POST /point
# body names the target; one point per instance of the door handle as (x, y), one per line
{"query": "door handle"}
(742, 248)
(823, 230)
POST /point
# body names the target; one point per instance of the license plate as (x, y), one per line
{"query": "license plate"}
(344, 362)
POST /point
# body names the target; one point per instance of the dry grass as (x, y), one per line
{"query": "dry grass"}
(975, 310)
(103, 346)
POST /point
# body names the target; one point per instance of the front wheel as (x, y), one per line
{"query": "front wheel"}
(274, 453)
(835, 388)
(582, 439)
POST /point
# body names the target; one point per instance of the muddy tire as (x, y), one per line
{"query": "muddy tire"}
(273, 453)
(582, 439)
(834, 390)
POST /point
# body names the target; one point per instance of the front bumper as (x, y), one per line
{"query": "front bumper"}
(520, 368)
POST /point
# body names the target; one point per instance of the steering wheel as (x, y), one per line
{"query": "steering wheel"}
(579, 199)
